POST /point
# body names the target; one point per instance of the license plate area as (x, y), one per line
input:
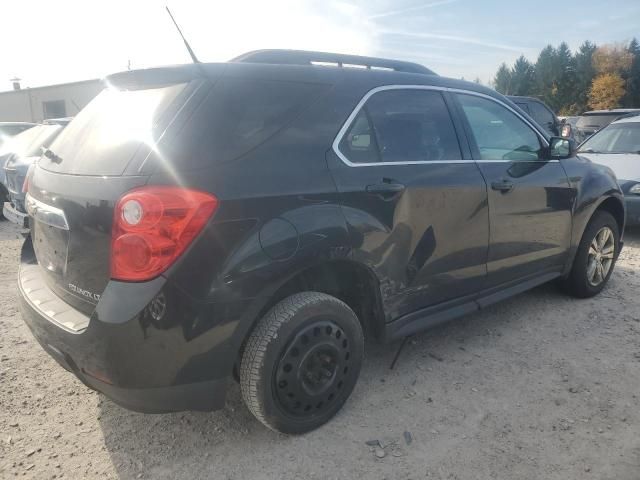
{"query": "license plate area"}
(51, 246)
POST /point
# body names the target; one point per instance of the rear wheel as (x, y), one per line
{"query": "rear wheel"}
(301, 362)
(596, 256)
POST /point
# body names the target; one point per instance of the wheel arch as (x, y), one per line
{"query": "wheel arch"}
(350, 281)
(615, 207)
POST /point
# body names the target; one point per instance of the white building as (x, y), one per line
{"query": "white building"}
(53, 101)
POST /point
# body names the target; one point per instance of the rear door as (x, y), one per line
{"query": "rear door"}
(415, 203)
(530, 199)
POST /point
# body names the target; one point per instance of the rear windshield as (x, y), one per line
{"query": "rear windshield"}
(10, 130)
(29, 142)
(616, 138)
(107, 133)
(598, 121)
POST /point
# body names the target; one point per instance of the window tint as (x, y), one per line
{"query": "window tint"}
(541, 115)
(359, 144)
(107, 133)
(402, 126)
(238, 115)
(498, 132)
(524, 107)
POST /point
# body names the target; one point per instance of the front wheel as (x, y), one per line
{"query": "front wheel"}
(301, 362)
(596, 256)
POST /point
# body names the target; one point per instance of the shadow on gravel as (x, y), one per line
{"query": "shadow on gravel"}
(162, 446)
(231, 444)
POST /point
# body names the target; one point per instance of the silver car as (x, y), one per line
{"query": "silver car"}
(618, 147)
(24, 149)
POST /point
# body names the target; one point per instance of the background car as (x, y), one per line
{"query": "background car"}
(540, 112)
(618, 147)
(590, 122)
(25, 148)
(7, 131)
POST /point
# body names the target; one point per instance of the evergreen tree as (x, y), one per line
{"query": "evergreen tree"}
(566, 79)
(632, 98)
(502, 80)
(522, 77)
(546, 75)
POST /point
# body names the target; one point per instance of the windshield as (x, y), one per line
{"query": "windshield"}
(597, 121)
(28, 143)
(105, 135)
(616, 138)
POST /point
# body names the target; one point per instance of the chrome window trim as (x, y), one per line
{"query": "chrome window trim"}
(343, 130)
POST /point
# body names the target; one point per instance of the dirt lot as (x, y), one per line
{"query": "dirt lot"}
(539, 387)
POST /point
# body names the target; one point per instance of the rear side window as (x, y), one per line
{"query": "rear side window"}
(541, 115)
(399, 126)
(238, 115)
(524, 107)
(499, 133)
(107, 133)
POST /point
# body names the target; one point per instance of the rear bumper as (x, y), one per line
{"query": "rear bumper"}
(633, 210)
(14, 215)
(202, 396)
(143, 365)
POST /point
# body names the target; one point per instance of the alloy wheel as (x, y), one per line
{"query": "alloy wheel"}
(601, 256)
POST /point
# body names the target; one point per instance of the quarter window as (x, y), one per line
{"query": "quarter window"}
(398, 126)
(499, 133)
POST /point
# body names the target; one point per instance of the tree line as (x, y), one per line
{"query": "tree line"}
(593, 77)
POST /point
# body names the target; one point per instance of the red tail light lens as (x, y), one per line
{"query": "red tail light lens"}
(152, 227)
(27, 178)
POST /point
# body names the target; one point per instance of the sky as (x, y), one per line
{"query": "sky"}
(48, 42)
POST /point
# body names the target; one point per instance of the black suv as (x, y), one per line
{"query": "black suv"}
(540, 112)
(260, 218)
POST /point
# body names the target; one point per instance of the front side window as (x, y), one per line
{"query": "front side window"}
(499, 133)
(399, 126)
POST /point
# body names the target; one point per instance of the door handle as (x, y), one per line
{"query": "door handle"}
(388, 189)
(503, 186)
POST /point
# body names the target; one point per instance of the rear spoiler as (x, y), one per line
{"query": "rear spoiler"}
(161, 76)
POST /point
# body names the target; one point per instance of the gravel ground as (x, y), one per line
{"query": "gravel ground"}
(541, 386)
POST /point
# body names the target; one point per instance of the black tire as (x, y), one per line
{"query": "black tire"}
(4, 197)
(578, 283)
(301, 362)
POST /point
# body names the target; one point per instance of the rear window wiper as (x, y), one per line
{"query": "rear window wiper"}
(50, 154)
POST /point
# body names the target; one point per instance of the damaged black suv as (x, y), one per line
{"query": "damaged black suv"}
(259, 218)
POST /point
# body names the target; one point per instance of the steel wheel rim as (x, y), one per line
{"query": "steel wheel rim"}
(313, 369)
(601, 256)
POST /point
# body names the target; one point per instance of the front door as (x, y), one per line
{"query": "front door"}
(530, 199)
(415, 206)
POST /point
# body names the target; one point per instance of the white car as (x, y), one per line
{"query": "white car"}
(618, 146)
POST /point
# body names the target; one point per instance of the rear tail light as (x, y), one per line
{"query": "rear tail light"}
(152, 227)
(27, 178)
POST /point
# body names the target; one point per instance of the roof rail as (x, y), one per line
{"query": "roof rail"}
(302, 57)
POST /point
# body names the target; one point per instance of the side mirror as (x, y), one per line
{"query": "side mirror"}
(560, 148)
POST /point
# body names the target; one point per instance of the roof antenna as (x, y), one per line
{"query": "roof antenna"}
(186, 44)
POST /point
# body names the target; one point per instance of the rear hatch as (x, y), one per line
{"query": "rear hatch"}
(99, 156)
